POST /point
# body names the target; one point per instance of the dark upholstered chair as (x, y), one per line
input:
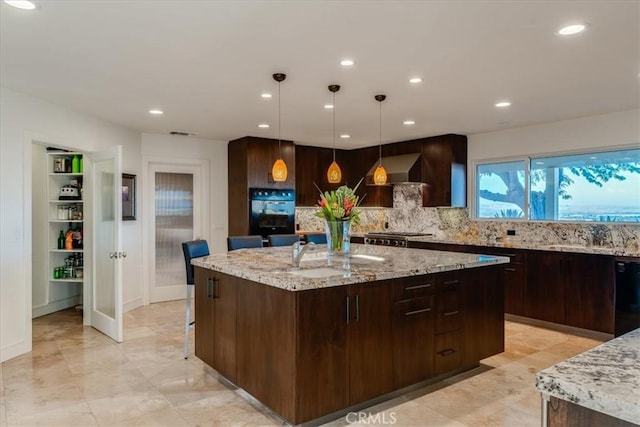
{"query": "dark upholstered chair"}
(241, 242)
(283, 239)
(192, 249)
(317, 238)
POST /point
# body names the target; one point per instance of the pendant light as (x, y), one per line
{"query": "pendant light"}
(380, 175)
(334, 174)
(279, 169)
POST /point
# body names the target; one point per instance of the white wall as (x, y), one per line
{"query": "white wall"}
(175, 148)
(24, 119)
(596, 132)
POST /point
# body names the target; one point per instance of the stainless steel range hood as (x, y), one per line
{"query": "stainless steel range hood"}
(400, 169)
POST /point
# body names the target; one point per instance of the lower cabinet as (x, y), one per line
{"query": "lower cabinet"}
(215, 311)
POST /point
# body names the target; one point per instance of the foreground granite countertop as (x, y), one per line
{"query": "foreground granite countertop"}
(605, 378)
(272, 266)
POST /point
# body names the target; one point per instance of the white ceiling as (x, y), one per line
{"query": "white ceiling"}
(206, 63)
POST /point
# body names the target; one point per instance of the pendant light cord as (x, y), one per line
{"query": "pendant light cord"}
(334, 126)
(279, 129)
(380, 145)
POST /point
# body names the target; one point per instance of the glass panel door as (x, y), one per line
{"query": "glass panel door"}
(106, 301)
(174, 225)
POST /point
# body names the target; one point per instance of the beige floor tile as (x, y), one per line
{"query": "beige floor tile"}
(128, 405)
(76, 415)
(76, 376)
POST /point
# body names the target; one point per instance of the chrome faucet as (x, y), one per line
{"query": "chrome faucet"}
(298, 251)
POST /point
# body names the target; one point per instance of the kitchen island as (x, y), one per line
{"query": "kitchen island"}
(598, 387)
(337, 334)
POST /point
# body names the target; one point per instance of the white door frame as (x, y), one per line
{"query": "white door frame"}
(200, 170)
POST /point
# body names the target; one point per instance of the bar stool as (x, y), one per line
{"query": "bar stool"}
(317, 238)
(241, 242)
(283, 239)
(191, 250)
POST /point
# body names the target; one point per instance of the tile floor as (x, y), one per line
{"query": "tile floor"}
(75, 376)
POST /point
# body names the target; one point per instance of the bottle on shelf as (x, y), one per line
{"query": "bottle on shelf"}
(61, 240)
(75, 164)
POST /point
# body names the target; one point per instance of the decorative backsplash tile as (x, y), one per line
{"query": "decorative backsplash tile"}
(408, 214)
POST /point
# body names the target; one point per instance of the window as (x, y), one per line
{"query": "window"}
(500, 191)
(601, 187)
(596, 187)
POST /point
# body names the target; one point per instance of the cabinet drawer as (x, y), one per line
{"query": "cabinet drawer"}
(447, 283)
(448, 355)
(448, 308)
(414, 308)
(413, 287)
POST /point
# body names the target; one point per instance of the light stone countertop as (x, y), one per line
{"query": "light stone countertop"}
(605, 378)
(273, 266)
(516, 243)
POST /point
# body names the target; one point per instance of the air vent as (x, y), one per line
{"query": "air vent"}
(178, 132)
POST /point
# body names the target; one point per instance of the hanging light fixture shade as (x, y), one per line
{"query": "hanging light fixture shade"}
(334, 174)
(279, 169)
(380, 174)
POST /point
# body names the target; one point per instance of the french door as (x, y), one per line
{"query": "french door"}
(105, 299)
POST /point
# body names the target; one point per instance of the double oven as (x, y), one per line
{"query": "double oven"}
(273, 211)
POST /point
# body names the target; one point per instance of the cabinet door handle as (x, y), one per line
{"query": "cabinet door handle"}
(450, 313)
(510, 269)
(348, 309)
(215, 283)
(357, 307)
(446, 352)
(411, 288)
(209, 291)
(411, 313)
(451, 282)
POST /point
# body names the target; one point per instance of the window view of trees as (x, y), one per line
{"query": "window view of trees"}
(600, 187)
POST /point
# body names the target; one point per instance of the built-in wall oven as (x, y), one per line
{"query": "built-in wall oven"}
(272, 211)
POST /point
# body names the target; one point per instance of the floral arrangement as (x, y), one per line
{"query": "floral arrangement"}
(339, 205)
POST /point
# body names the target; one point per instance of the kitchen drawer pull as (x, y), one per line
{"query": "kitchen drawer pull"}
(209, 288)
(412, 288)
(451, 282)
(357, 307)
(450, 313)
(509, 269)
(215, 287)
(410, 313)
(447, 352)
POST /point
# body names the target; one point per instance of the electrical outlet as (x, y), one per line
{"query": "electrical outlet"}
(511, 232)
(386, 225)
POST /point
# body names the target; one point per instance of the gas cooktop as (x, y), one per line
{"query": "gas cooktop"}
(398, 233)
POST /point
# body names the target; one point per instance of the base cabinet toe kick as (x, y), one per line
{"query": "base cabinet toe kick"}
(317, 353)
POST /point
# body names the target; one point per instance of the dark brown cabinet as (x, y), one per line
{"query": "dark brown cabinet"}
(412, 329)
(250, 160)
(311, 170)
(571, 289)
(370, 334)
(215, 309)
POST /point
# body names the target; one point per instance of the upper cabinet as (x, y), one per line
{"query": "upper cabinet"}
(250, 160)
(443, 168)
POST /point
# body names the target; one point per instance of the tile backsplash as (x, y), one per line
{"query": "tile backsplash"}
(408, 214)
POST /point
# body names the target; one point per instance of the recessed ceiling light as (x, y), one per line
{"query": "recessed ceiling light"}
(263, 125)
(266, 95)
(415, 80)
(409, 122)
(328, 106)
(21, 4)
(156, 112)
(572, 29)
(503, 104)
(345, 136)
(347, 62)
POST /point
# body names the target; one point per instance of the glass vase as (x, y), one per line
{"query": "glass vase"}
(338, 237)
